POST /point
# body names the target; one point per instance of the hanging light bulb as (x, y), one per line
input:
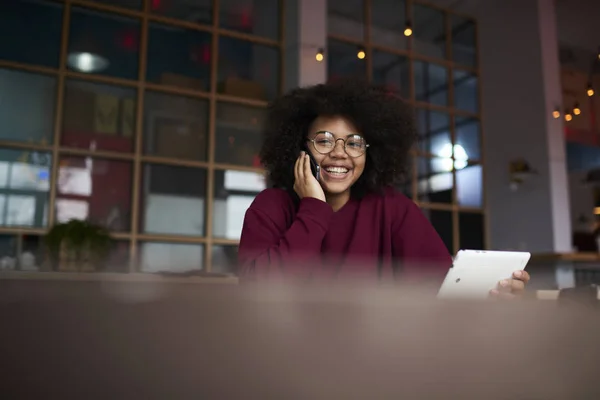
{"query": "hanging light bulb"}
(408, 29)
(568, 116)
(556, 114)
(361, 54)
(576, 109)
(590, 90)
(319, 56)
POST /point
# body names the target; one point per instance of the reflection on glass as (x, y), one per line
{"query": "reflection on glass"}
(27, 106)
(171, 257)
(257, 17)
(175, 126)
(247, 69)
(392, 71)
(234, 192)
(430, 32)
(101, 43)
(388, 20)
(173, 200)
(469, 186)
(346, 18)
(24, 187)
(442, 222)
(239, 134)
(93, 189)
(434, 179)
(431, 83)
(466, 95)
(179, 57)
(8, 253)
(196, 11)
(343, 62)
(464, 45)
(30, 31)
(468, 135)
(434, 131)
(471, 231)
(98, 116)
(224, 259)
(118, 259)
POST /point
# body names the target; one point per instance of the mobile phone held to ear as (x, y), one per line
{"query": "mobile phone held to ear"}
(314, 167)
(475, 272)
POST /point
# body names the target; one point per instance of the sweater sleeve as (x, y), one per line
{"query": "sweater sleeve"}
(270, 247)
(417, 245)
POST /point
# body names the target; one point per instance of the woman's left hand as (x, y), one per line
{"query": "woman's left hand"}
(511, 288)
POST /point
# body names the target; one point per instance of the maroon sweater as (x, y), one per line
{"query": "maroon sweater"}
(368, 238)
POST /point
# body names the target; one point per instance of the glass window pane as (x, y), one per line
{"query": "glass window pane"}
(257, 17)
(196, 11)
(431, 83)
(469, 184)
(102, 43)
(27, 106)
(443, 224)
(346, 18)
(392, 71)
(248, 70)
(173, 200)
(434, 182)
(388, 20)
(24, 187)
(343, 61)
(30, 31)
(224, 259)
(434, 132)
(171, 257)
(175, 126)
(95, 189)
(468, 136)
(464, 41)
(9, 261)
(471, 231)
(234, 192)
(179, 57)
(429, 31)
(98, 116)
(466, 96)
(119, 257)
(239, 134)
(131, 4)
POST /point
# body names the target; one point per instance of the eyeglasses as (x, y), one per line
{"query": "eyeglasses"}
(354, 145)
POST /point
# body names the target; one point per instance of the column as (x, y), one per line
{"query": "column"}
(305, 33)
(520, 88)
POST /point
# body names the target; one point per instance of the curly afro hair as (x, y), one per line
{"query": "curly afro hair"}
(384, 119)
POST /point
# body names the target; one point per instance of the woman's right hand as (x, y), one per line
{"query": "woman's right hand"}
(306, 185)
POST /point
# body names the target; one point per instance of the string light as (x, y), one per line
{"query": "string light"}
(319, 56)
(408, 29)
(556, 114)
(576, 109)
(568, 116)
(590, 90)
(361, 54)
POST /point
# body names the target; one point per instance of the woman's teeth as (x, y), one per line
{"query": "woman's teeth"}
(337, 170)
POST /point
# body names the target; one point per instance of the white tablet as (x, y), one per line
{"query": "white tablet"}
(475, 272)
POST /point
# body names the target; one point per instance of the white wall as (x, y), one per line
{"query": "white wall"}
(520, 81)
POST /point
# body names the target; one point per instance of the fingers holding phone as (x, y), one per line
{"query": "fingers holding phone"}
(305, 184)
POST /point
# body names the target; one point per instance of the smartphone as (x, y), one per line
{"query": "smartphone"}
(475, 272)
(314, 167)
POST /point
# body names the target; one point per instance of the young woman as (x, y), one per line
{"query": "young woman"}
(351, 222)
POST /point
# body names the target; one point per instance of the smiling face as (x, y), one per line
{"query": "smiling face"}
(339, 171)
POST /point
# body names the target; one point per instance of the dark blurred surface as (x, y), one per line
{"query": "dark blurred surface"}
(101, 340)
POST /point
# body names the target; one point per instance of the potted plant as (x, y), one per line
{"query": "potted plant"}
(77, 246)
